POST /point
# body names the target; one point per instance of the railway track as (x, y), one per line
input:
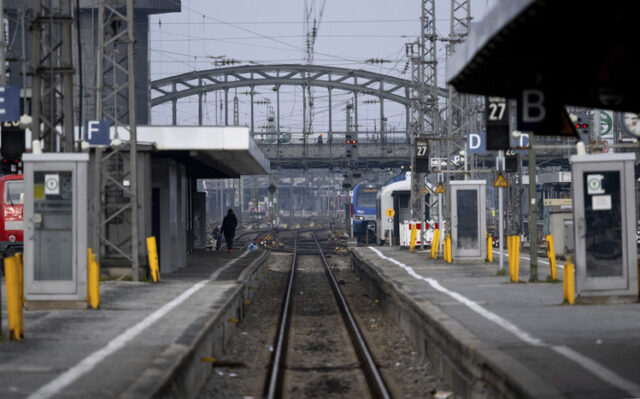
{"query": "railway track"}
(309, 324)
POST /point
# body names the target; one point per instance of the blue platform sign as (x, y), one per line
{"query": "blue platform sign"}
(97, 132)
(9, 103)
(477, 143)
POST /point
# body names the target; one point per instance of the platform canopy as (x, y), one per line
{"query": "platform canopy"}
(206, 151)
(586, 53)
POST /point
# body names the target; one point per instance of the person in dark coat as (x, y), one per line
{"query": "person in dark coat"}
(228, 228)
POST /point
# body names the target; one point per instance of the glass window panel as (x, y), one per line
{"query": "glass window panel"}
(467, 209)
(603, 218)
(14, 193)
(53, 219)
(366, 199)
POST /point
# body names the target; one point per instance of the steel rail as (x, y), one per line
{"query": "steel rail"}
(283, 331)
(376, 382)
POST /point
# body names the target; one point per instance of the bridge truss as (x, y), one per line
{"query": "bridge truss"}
(390, 149)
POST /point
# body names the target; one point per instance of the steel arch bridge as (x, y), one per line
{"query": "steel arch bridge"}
(383, 152)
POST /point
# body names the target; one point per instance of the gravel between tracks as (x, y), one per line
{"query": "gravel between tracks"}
(241, 371)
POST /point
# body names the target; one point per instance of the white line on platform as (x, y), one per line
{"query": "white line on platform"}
(527, 258)
(88, 363)
(589, 364)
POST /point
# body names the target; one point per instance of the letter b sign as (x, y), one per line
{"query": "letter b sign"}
(539, 112)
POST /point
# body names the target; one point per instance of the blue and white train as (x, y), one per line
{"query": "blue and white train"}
(363, 211)
(396, 195)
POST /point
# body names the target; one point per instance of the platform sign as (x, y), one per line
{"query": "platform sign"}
(542, 113)
(97, 132)
(497, 121)
(422, 156)
(477, 143)
(9, 103)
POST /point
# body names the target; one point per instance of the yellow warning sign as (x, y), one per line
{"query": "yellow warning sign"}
(500, 181)
(390, 212)
(440, 189)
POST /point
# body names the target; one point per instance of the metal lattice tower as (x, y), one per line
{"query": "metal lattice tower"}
(116, 201)
(459, 107)
(52, 81)
(424, 110)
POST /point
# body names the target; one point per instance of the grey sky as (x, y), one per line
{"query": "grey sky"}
(272, 32)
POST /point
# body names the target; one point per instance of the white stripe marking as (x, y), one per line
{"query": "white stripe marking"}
(589, 364)
(90, 362)
(529, 259)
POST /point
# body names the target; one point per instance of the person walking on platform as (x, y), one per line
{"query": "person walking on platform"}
(228, 228)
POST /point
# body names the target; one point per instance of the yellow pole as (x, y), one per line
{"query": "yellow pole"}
(510, 255)
(445, 250)
(89, 257)
(569, 281)
(93, 281)
(551, 254)
(449, 254)
(14, 300)
(489, 249)
(414, 235)
(434, 244)
(20, 262)
(516, 261)
(152, 250)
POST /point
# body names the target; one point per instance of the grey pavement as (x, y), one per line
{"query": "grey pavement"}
(574, 351)
(73, 344)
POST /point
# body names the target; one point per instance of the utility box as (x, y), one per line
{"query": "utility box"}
(469, 219)
(55, 227)
(557, 222)
(604, 213)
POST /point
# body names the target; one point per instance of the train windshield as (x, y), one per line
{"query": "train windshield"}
(366, 199)
(14, 193)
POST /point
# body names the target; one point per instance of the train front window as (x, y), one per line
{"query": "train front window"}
(366, 200)
(14, 193)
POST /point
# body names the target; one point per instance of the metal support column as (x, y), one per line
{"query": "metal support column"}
(117, 200)
(200, 95)
(52, 81)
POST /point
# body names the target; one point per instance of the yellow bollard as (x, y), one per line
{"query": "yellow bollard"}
(551, 254)
(152, 250)
(14, 299)
(489, 248)
(449, 257)
(510, 256)
(516, 260)
(414, 236)
(434, 244)
(93, 280)
(569, 282)
(89, 257)
(20, 259)
(445, 254)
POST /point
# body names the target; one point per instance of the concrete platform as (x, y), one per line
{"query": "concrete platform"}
(492, 338)
(146, 339)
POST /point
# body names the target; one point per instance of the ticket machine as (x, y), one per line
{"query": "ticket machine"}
(469, 219)
(55, 228)
(604, 214)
